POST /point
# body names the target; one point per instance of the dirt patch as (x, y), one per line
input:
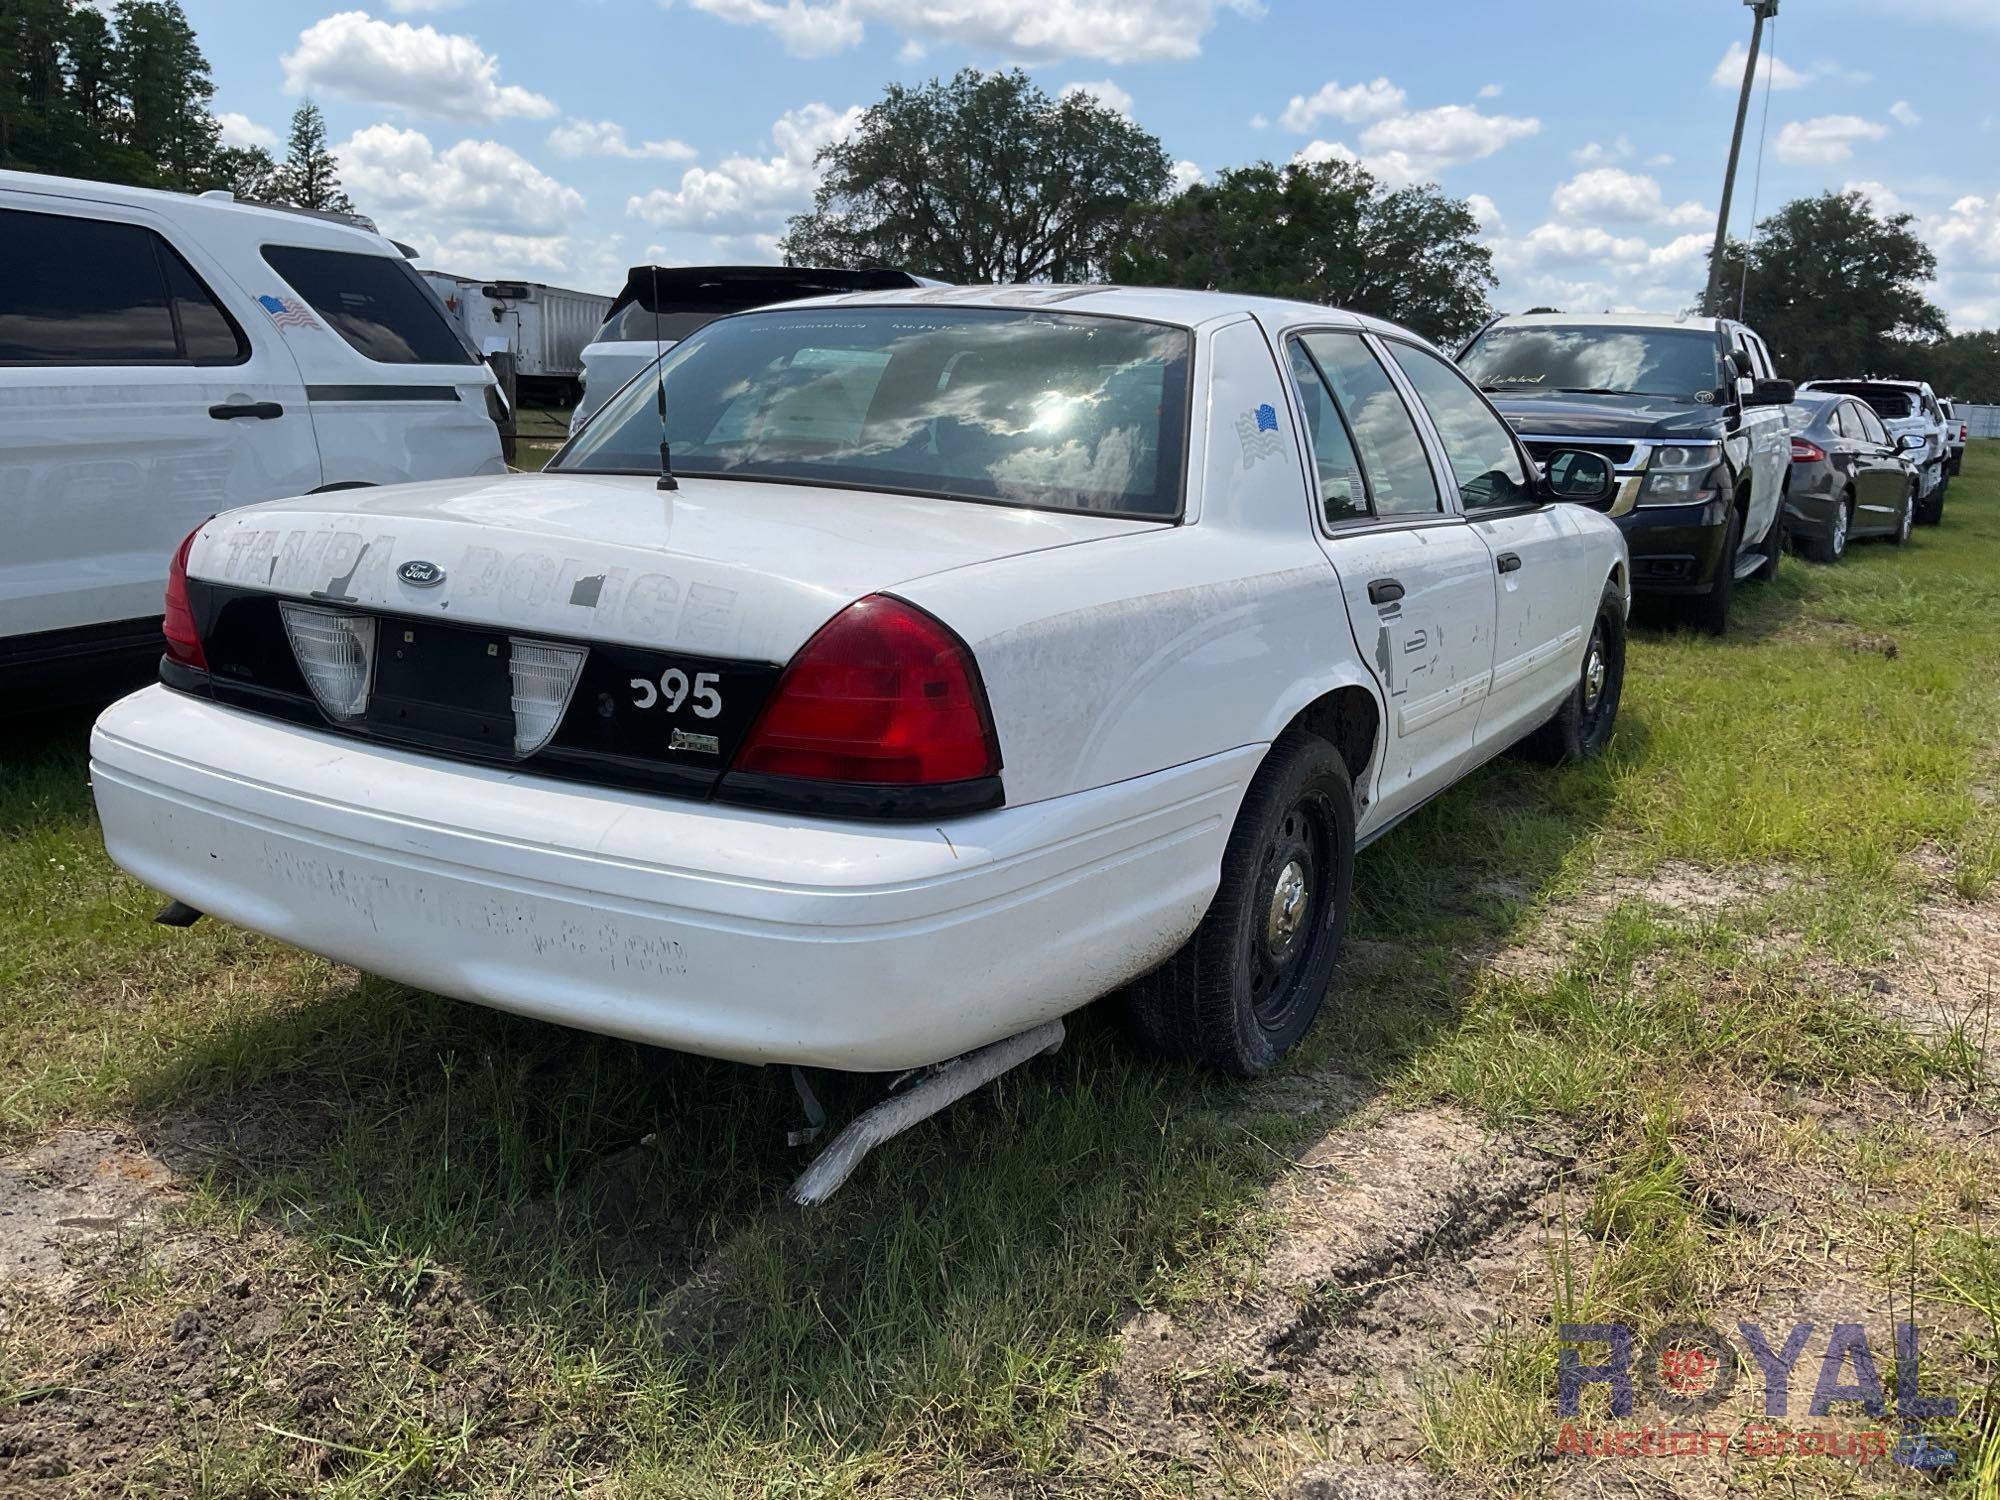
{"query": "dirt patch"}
(1675, 888)
(65, 1202)
(1396, 1236)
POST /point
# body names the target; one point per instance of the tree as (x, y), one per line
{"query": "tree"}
(982, 179)
(1320, 232)
(1834, 288)
(309, 177)
(166, 86)
(1964, 365)
(247, 171)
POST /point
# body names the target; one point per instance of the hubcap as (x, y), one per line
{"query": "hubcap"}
(1288, 906)
(1593, 675)
(1840, 530)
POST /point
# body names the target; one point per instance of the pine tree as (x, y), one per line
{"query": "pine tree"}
(309, 176)
(167, 88)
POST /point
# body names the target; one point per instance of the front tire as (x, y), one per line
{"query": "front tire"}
(1711, 610)
(1582, 726)
(1832, 547)
(1242, 991)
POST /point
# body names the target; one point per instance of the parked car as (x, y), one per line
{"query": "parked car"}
(661, 305)
(165, 357)
(1850, 478)
(1956, 434)
(1907, 406)
(1691, 413)
(987, 650)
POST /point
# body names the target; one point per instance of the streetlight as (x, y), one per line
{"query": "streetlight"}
(1762, 10)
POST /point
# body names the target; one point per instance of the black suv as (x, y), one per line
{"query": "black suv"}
(1691, 415)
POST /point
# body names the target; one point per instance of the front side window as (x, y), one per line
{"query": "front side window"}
(1484, 457)
(1400, 481)
(82, 291)
(1592, 359)
(1056, 411)
(375, 302)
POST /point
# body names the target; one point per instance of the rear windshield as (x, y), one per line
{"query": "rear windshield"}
(633, 323)
(1886, 399)
(1053, 410)
(1681, 363)
(375, 302)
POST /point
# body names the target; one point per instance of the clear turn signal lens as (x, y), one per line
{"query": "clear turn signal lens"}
(335, 652)
(544, 677)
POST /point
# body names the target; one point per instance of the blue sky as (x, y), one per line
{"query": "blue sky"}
(565, 139)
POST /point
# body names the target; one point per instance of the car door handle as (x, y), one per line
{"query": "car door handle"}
(1510, 562)
(1384, 591)
(264, 411)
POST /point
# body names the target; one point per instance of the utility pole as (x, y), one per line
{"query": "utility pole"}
(1763, 10)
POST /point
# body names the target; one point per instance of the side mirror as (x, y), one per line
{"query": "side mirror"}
(1910, 442)
(1580, 476)
(1771, 393)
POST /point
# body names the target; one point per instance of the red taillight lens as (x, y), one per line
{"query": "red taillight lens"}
(1804, 452)
(884, 694)
(183, 641)
(1965, 432)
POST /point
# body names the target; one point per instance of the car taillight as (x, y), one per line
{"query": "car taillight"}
(183, 640)
(1804, 452)
(1965, 432)
(884, 694)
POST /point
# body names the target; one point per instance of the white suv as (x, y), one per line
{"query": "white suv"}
(165, 357)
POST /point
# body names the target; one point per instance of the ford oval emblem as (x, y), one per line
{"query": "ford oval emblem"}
(420, 574)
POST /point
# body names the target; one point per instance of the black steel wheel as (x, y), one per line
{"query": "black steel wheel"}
(1240, 993)
(1582, 727)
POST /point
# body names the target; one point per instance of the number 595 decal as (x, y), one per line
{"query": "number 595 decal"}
(674, 689)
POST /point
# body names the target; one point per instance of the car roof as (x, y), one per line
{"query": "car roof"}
(1848, 387)
(1611, 319)
(1174, 306)
(218, 213)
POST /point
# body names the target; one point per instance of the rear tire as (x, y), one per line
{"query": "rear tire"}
(1711, 610)
(1902, 532)
(1832, 547)
(1240, 993)
(1582, 726)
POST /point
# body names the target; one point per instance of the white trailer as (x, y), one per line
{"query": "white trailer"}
(544, 327)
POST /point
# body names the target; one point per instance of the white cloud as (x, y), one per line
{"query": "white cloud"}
(575, 138)
(412, 7)
(241, 130)
(1824, 141)
(1968, 233)
(1627, 197)
(1429, 140)
(1490, 91)
(1118, 31)
(1590, 153)
(396, 176)
(1355, 104)
(1728, 73)
(1881, 197)
(1661, 159)
(1104, 91)
(353, 56)
(1902, 114)
(1185, 174)
(1487, 212)
(1258, 121)
(748, 194)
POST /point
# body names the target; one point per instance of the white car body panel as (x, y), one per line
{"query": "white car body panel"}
(105, 468)
(1137, 672)
(607, 365)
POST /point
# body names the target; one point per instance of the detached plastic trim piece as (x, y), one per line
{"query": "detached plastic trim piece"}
(857, 799)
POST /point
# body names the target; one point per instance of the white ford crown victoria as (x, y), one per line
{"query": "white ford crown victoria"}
(994, 649)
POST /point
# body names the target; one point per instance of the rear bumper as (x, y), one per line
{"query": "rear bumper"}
(1810, 502)
(709, 929)
(1675, 548)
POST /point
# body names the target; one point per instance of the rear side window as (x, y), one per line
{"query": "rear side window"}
(93, 292)
(1343, 490)
(375, 302)
(1870, 424)
(1399, 470)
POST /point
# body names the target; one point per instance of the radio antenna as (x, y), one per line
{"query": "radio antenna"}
(666, 480)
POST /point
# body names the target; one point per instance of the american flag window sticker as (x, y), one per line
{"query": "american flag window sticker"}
(286, 312)
(1258, 432)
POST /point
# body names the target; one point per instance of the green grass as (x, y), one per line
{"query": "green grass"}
(951, 1314)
